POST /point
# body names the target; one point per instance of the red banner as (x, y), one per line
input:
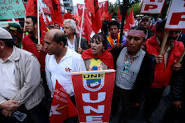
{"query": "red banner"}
(61, 107)
(93, 94)
(152, 6)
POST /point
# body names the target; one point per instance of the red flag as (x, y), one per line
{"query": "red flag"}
(90, 6)
(87, 24)
(67, 15)
(54, 6)
(96, 20)
(119, 15)
(31, 8)
(110, 16)
(61, 107)
(43, 26)
(130, 21)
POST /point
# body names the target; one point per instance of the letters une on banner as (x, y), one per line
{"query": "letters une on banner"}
(93, 95)
(176, 16)
(11, 9)
(152, 6)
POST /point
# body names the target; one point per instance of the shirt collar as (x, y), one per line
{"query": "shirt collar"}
(13, 57)
(137, 54)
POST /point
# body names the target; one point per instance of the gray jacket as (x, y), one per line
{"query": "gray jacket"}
(28, 79)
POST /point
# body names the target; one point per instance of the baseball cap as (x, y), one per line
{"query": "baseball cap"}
(14, 27)
(4, 34)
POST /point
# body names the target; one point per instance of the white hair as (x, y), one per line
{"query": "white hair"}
(72, 24)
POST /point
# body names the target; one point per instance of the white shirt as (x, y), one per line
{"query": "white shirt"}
(8, 87)
(71, 46)
(71, 62)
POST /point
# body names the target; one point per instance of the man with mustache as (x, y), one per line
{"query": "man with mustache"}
(165, 64)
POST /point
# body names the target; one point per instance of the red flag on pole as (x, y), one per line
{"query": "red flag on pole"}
(119, 15)
(31, 8)
(61, 107)
(90, 6)
(130, 21)
(54, 6)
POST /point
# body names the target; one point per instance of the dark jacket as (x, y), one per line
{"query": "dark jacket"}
(178, 84)
(144, 78)
(84, 43)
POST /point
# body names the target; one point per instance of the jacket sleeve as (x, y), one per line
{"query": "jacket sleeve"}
(178, 84)
(32, 79)
(145, 79)
(84, 44)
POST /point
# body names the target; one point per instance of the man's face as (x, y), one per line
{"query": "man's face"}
(113, 31)
(29, 27)
(50, 45)
(67, 29)
(145, 23)
(173, 35)
(96, 46)
(134, 42)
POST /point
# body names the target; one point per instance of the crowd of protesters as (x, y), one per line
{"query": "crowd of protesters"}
(30, 66)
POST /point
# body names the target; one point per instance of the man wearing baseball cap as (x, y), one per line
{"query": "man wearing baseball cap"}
(20, 83)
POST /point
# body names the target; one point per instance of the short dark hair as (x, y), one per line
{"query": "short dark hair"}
(60, 38)
(113, 22)
(100, 37)
(160, 26)
(8, 42)
(34, 19)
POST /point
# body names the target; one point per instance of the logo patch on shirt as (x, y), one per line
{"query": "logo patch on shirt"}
(68, 69)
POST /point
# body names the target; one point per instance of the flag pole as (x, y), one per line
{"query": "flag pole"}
(38, 22)
(124, 11)
(81, 26)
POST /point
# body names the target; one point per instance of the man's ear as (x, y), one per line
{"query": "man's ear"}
(61, 44)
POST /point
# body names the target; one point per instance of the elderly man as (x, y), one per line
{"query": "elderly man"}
(60, 62)
(70, 31)
(20, 83)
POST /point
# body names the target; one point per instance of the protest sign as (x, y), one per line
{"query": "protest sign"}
(176, 16)
(93, 95)
(11, 9)
(152, 6)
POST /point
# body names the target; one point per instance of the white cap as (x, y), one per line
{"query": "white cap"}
(4, 34)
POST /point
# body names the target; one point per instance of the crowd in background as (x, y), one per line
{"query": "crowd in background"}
(30, 67)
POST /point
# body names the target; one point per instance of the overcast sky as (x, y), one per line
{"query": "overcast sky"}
(82, 1)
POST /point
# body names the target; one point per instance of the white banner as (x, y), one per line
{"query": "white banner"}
(176, 15)
(152, 6)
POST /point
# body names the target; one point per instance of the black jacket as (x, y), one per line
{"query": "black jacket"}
(144, 78)
(178, 84)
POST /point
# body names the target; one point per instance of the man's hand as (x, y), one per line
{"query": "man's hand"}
(80, 50)
(6, 113)
(40, 48)
(177, 66)
(159, 59)
(10, 105)
(177, 104)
